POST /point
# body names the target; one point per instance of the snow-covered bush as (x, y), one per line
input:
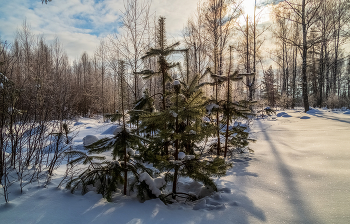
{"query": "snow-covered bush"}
(334, 101)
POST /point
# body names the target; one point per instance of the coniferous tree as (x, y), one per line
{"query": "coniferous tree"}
(107, 175)
(144, 105)
(229, 109)
(185, 128)
(237, 137)
(162, 52)
(269, 90)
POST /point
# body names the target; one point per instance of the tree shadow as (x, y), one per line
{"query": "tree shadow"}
(296, 199)
(240, 166)
(244, 208)
(283, 114)
(330, 117)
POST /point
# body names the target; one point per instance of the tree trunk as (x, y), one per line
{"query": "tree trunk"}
(295, 57)
(124, 128)
(304, 65)
(176, 148)
(228, 102)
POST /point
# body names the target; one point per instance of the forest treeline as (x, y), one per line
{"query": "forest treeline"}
(311, 64)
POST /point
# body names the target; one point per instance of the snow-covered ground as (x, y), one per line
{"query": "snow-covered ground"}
(299, 173)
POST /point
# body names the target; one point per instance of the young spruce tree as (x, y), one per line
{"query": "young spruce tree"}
(107, 176)
(184, 129)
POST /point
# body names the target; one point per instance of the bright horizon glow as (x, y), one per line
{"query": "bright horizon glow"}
(249, 7)
(262, 13)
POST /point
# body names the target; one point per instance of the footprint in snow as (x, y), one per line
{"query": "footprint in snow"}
(215, 202)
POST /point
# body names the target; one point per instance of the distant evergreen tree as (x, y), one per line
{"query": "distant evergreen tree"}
(270, 92)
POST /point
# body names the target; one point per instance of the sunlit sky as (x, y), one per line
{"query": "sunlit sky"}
(80, 24)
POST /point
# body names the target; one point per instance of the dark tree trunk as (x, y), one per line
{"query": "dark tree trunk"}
(304, 65)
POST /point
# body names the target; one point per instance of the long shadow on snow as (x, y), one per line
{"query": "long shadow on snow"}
(244, 207)
(322, 115)
(240, 168)
(296, 198)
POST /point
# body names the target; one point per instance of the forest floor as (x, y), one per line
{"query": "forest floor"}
(299, 173)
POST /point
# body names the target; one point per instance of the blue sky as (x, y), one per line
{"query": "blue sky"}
(80, 24)
(77, 23)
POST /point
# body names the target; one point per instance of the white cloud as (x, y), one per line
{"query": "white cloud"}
(176, 13)
(80, 23)
(77, 24)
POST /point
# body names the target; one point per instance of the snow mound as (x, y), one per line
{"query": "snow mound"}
(89, 139)
(347, 112)
(181, 155)
(115, 130)
(281, 114)
(205, 191)
(110, 130)
(153, 184)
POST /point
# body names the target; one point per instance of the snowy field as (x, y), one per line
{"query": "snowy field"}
(299, 173)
